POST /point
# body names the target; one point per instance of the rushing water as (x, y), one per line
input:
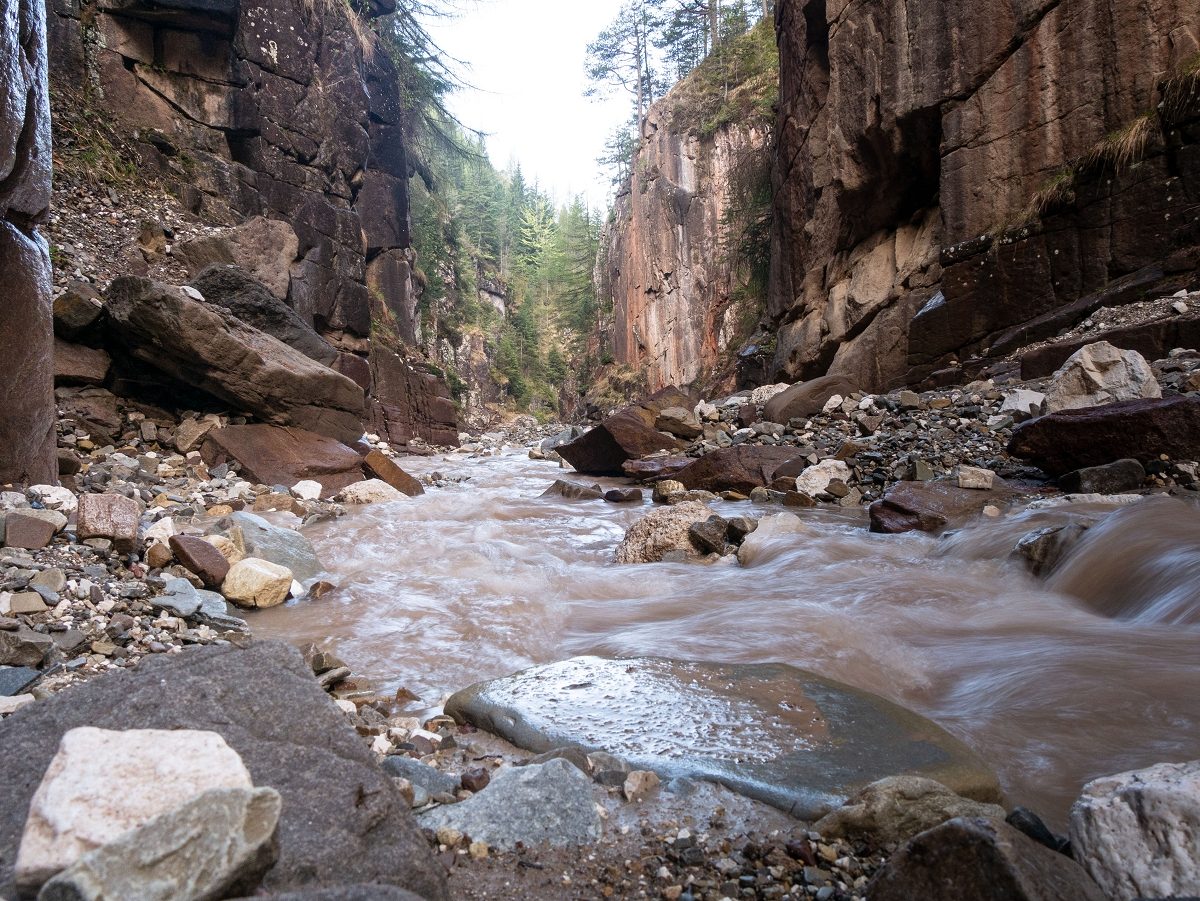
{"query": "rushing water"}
(1093, 672)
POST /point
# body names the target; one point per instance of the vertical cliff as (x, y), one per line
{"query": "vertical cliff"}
(285, 109)
(26, 373)
(947, 172)
(682, 263)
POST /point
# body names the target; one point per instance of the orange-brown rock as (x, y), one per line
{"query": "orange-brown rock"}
(741, 468)
(273, 455)
(383, 467)
(626, 435)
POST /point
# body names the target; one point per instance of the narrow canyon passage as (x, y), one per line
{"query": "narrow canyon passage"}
(485, 577)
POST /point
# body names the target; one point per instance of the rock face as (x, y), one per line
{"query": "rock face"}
(1100, 374)
(342, 821)
(27, 442)
(908, 139)
(626, 435)
(980, 860)
(806, 756)
(291, 123)
(1138, 833)
(678, 307)
(196, 345)
(1134, 429)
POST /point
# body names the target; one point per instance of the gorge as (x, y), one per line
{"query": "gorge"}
(820, 522)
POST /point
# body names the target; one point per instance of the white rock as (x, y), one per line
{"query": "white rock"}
(833, 403)
(161, 531)
(103, 783)
(662, 531)
(55, 498)
(372, 491)
(816, 479)
(707, 412)
(1179, 307)
(14, 703)
(257, 583)
(976, 477)
(1100, 374)
(761, 395)
(308, 490)
(192, 293)
(1023, 402)
(1138, 833)
(639, 784)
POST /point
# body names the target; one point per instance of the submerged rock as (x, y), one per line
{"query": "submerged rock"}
(768, 731)
(929, 506)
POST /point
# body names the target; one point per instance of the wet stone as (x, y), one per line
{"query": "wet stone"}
(202, 558)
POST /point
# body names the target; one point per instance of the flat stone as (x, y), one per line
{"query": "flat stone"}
(25, 530)
(432, 780)
(930, 506)
(27, 603)
(257, 583)
(15, 679)
(343, 822)
(110, 516)
(218, 843)
(383, 467)
(980, 860)
(190, 434)
(742, 468)
(13, 703)
(272, 455)
(540, 804)
(1138, 833)
(807, 758)
(102, 783)
(24, 647)
(202, 558)
(371, 491)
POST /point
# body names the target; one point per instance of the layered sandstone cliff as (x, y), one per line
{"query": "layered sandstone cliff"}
(947, 173)
(27, 446)
(283, 109)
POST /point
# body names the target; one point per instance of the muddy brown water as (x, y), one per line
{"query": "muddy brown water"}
(1095, 671)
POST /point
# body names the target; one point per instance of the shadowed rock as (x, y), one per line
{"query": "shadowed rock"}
(626, 435)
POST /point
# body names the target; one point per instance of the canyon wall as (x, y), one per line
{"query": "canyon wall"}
(27, 446)
(285, 109)
(670, 261)
(947, 173)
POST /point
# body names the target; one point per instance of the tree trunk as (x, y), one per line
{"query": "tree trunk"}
(714, 23)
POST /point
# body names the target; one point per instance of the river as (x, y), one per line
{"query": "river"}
(484, 577)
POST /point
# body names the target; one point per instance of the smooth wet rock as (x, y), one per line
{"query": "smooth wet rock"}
(202, 558)
(110, 516)
(1100, 374)
(271, 455)
(573, 491)
(624, 496)
(540, 804)
(1043, 549)
(383, 467)
(257, 583)
(725, 723)
(372, 491)
(218, 843)
(286, 547)
(928, 506)
(741, 468)
(895, 809)
(661, 532)
(1135, 429)
(1112, 478)
(626, 435)
(980, 860)
(343, 822)
(1138, 833)
(102, 783)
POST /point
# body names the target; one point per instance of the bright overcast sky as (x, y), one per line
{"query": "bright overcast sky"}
(526, 61)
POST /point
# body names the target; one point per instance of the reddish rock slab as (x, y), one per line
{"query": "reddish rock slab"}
(383, 467)
(27, 532)
(202, 558)
(626, 435)
(75, 364)
(655, 468)
(806, 398)
(929, 506)
(111, 516)
(1093, 436)
(742, 468)
(274, 455)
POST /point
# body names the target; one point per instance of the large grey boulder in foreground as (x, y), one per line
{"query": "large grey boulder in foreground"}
(343, 820)
(772, 732)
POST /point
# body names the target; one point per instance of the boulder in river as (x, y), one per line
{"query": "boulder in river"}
(287, 547)
(272, 455)
(975, 859)
(342, 821)
(772, 732)
(663, 531)
(627, 434)
(1100, 374)
(741, 468)
(1068, 440)
(1138, 833)
(929, 506)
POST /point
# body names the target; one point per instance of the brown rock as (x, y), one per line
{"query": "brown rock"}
(655, 467)
(383, 467)
(202, 558)
(75, 364)
(928, 506)
(1135, 429)
(110, 516)
(158, 555)
(76, 311)
(29, 532)
(806, 399)
(410, 403)
(625, 435)
(265, 248)
(214, 351)
(741, 468)
(980, 859)
(97, 415)
(277, 456)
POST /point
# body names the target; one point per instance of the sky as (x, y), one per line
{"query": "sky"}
(526, 71)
